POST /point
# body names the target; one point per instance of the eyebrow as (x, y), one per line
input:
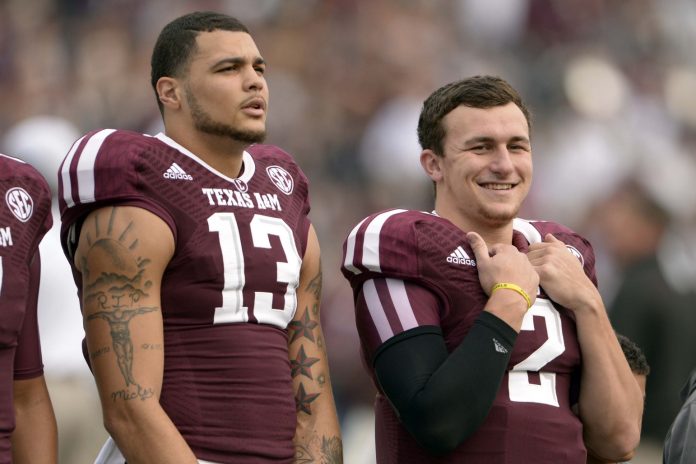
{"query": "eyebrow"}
(517, 138)
(238, 60)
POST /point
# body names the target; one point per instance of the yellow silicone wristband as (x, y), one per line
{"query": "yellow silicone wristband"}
(515, 288)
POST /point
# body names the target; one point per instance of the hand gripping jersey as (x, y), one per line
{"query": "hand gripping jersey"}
(25, 217)
(229, 291)
(531, 419)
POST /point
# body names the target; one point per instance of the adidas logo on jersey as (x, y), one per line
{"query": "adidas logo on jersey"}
(175, 172)
(459, 256)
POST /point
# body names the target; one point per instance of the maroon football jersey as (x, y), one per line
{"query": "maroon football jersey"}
(411, 269)
(25, 206)
(228, 293)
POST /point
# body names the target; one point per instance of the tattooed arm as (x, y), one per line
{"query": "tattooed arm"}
(317, 437)
(122, 254)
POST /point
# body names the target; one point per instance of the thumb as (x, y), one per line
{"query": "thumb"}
(478, 245)
(550, 238)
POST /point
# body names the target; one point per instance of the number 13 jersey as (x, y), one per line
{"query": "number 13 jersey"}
(390, 258)
(228, 292)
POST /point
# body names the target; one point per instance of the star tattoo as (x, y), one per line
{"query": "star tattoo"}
(303, 399)
(302, 328)
(301, 364)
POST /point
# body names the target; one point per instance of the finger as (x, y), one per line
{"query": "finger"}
(539, 250)
(535, 256)
(550, 238)
(478, 245)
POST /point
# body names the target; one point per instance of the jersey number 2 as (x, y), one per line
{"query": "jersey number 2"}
(519, 386)
(288, 272)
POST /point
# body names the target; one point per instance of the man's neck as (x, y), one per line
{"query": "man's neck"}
(491, 233)
(221, 153)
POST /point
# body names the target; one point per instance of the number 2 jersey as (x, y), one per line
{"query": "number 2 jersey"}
(25, 217)
(397, 259)
(228, 292)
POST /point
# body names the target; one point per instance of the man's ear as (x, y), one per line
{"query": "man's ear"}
(169, 92)
(432, 164)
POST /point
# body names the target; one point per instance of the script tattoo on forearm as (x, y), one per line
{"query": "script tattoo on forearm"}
(330, 451)
(303, 455)
(115, 297)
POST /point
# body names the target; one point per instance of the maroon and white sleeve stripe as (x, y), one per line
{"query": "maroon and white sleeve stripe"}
(362, 249)
(80, 188)
(386, 307)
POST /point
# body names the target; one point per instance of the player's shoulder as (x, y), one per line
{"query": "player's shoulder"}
(108, 152)
(271, 154)
(106, 149)
(14, 169)
(113, 143)
(25, 192)
(394, 222)
(266, 151)
(106, 164)
(10, 163)
(388, 236)
(535, 229)
(280, 167)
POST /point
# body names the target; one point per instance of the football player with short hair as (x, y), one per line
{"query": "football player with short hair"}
(27, 423)
(198, 268)
(481, 329)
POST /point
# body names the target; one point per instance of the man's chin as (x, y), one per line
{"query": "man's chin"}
(244, 136)
(250, 137)
(499, 217)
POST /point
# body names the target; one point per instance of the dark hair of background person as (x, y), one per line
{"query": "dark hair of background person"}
(634, 355)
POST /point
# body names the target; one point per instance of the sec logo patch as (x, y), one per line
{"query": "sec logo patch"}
(20, 203)
(281, 179)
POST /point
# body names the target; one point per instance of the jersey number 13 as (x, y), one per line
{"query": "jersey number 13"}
(287, 272)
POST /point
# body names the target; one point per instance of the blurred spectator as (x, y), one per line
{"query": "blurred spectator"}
(646, 308)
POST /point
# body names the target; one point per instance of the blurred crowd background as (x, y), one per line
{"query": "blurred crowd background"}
(612, 88)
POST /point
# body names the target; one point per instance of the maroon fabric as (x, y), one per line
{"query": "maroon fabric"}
(418, 247)
(25, 206)
(227, 384)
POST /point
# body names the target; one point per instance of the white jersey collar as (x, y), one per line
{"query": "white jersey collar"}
(247, 160)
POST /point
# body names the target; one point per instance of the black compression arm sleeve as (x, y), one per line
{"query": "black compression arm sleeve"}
(442, 398)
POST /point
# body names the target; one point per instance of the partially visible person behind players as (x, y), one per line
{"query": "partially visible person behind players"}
(199, 270)
(647, 306)
(680, 442)
(478, 326)
(27, 424)
(636, 360)
(640, 368)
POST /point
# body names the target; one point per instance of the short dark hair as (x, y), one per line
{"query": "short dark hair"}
(177, 42)
(475, 92)
(634, 355)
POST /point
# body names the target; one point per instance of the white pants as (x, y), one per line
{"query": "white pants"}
(110, 454)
